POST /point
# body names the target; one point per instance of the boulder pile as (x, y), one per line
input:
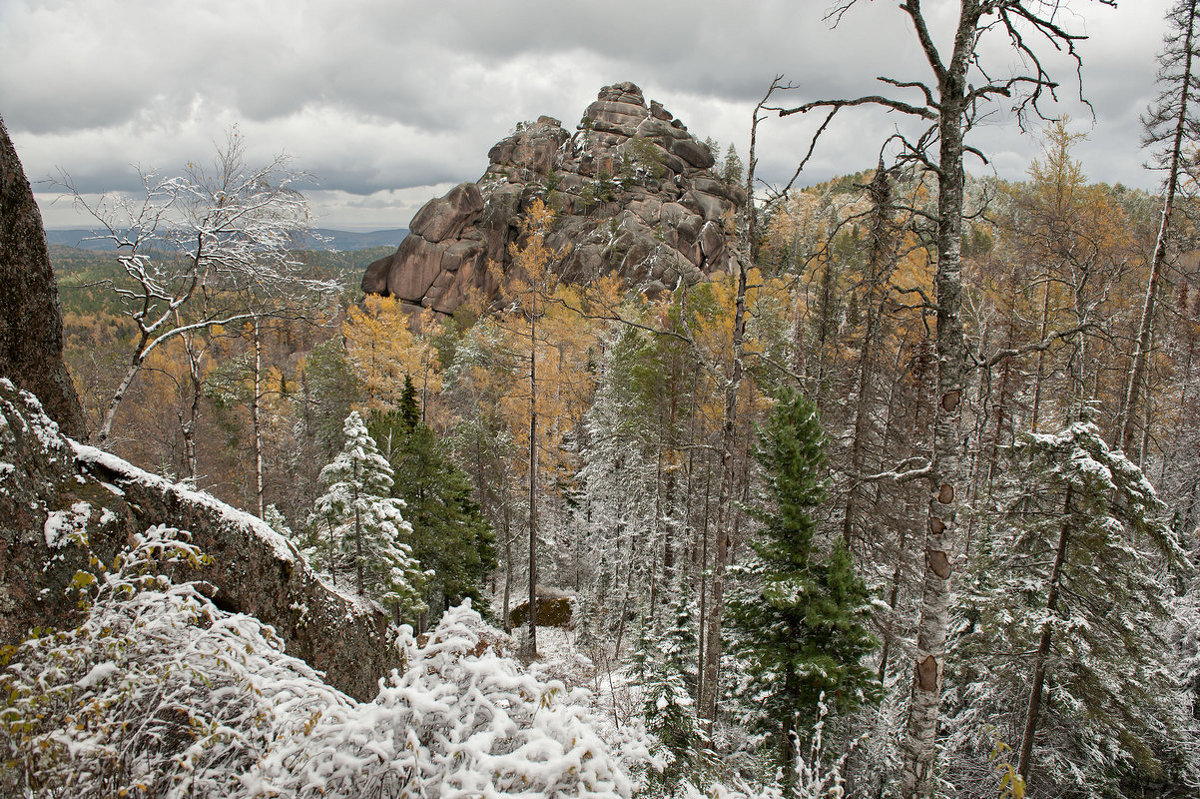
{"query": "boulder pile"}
(633, 191)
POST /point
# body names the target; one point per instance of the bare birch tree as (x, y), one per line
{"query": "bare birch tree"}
(961, 86)
(194, 248)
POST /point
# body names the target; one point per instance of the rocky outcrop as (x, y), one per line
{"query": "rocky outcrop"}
(634, 195)
(31, 319)
(53, 490)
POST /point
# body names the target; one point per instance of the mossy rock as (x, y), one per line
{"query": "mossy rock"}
(554, 609)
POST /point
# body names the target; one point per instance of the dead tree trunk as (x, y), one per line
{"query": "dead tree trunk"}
(1173, 106)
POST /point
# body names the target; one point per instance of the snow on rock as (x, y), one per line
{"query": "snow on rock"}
(282, 548)
(61, 525)
(63, 504)
(257, 571)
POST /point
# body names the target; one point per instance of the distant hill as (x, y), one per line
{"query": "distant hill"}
(341, 240)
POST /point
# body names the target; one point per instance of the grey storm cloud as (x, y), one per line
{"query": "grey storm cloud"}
(388, 102)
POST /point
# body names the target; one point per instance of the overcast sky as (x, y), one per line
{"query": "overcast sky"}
(390, 102)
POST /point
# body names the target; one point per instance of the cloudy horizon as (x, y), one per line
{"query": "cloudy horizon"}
(389, 104)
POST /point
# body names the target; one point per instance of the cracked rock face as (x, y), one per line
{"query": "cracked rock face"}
(634, 195)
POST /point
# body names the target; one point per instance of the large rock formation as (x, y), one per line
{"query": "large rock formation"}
(52, 490)
(30, 316)
(634, 192)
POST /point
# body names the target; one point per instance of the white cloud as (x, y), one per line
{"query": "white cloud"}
(383, 99)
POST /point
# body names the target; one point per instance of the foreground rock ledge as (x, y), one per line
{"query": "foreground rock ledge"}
(51, 486)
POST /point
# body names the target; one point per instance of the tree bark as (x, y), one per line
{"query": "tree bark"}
(255, 420)
(920, 741)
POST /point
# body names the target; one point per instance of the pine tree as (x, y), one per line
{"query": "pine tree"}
(799, 614)
(365, 524)
(1064, 634)
(732, 168)
(449, 533)
(670, 692)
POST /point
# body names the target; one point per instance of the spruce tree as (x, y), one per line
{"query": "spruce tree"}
(1064, 635)
(450, 535)
(365, 525)
(799, 610)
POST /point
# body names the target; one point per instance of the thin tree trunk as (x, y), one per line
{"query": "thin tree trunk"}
(188, 429)
(1140, 353)
(1041, 359)
(255, 419)
(708, 700)
(1043, 650)
(701, 654)
(531, 644)
(878, 267)
(358, 538)
(135, 365)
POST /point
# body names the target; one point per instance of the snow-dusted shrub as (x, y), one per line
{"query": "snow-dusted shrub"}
(815, 773)
(157, 693)
(461, 721)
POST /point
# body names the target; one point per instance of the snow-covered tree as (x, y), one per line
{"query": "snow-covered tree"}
(365, 526)
(1063, 635)
(205, 248)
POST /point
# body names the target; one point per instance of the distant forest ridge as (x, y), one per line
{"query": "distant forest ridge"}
(83, 239)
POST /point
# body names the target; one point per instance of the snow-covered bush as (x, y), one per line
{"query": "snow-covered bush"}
(461, 721)
(157, 693)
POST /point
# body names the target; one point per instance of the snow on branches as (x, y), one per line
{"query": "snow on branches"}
(160, 693)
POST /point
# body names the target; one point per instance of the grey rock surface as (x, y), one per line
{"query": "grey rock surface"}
(633, 192)
(30, 315)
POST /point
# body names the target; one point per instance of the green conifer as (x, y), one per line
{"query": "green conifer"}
(798, 612)
(450, 535)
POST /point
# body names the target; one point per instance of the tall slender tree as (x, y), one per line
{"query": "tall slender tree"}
(799, 611)
(962, 84)
(1171, 127)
